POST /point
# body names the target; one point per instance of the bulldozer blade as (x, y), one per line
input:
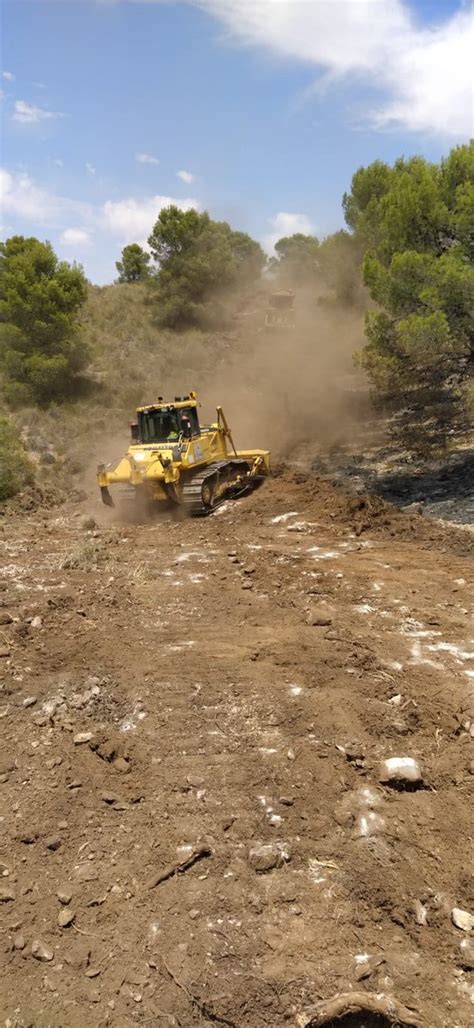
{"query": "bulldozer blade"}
(106, 497)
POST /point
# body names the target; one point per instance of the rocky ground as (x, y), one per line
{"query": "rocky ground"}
(199, 825)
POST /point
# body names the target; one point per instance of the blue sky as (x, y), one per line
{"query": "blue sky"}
(257, 110)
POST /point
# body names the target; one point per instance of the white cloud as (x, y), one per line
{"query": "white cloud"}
(133, 219)
(74, 237)
(8, 75)
(425, 72)
(90, 168)
(185, 176)
(29, 207)
(286, 223)
(28, 114)
(146, 158)
(58, 161)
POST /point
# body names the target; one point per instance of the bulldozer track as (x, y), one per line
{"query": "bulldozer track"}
(224, 480)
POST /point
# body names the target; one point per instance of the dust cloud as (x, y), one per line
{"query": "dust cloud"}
(284, 388)
(287, 386)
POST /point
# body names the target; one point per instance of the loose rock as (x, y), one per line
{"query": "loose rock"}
(267, 856)
(401, 770)
(462, 919)
(5, 618)
(66, 917)
(19, 942)
(6, 895)
(53, 842)
(64, 896)
(466, 954)
(40, 951)
(82, 737)
(320, 615)
(121, 765)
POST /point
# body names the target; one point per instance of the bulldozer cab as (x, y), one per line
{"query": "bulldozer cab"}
(280, 312)
(167, 423)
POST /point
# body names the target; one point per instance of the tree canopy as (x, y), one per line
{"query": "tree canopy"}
(297, 257)
(416, 224)
(198, 259)
(41, 349)
(133, 267)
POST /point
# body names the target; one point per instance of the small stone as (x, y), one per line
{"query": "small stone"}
(36, 622)
(66, 917)
(121, 765)
(92, 972)
(64, 896)
(250, 569)
(462, 919)
(40, 951)
(82, 737)
(320, 615)
(194, 913)
(53, 842)
(19, 942)
(287, 801)
(466, 954)
(109, 797)
(266, 856)
(77, 955)
(6, 894)
(246, 585)
(401, 770)
(29, 701)
(4, 651)
(413, 508)
(5, 618)
(420, 913)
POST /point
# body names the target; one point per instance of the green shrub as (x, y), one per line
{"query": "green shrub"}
(15, 468)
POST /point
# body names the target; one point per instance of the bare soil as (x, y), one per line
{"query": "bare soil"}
(175, 696)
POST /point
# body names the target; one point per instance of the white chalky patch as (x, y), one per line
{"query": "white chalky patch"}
(221, 510)
(416, 629)
(456, 651)
(470, 674)
(362, 958)
(418, 658)
(364, 608)
(275, 819)
(295, 690)
(130, 722)
(279, 518)
(202, 558)
(318, 554)
(377, 586)
(267, 750)
(459, 581)
(315, 872)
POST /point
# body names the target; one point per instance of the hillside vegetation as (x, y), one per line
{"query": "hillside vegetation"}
(76, 359)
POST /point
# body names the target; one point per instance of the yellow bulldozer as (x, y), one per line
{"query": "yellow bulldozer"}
(174, 461)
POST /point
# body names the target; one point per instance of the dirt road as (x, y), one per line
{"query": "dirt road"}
(208, 703)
